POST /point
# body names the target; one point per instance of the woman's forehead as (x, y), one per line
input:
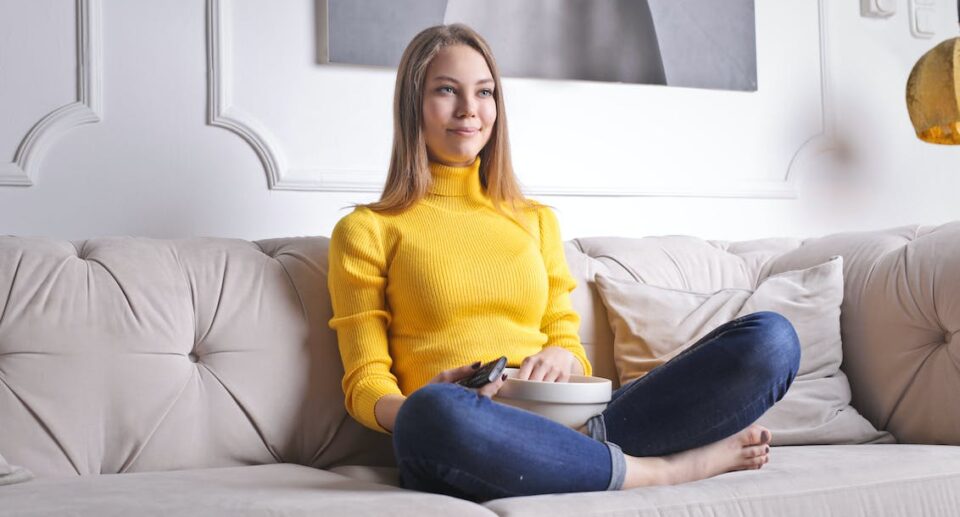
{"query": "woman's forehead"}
(459, 63)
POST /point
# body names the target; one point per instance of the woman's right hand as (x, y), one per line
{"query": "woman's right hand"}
(455, 374)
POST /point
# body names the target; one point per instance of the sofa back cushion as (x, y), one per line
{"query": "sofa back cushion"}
(899, 318)
(900, 321)
(131, 354)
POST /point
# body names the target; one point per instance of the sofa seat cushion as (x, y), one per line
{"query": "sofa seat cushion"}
(381, 475)
(278, 489)
(875, 480)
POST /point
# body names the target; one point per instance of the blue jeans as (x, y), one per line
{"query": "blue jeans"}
(449, 440)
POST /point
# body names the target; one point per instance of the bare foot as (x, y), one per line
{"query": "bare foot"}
(748, 449)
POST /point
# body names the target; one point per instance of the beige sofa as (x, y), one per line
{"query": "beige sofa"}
(199, 377)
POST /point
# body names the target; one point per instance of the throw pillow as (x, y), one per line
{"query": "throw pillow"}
(653, 324)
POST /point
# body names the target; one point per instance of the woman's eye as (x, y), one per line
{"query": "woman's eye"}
(486, 92)
(446, 89)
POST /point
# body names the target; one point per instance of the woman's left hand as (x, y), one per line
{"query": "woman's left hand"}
(552, 364)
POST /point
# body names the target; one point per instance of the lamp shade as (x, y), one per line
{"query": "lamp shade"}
(933, 94)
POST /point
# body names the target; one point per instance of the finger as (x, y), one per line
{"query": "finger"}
(490, 389)
(525, 368)
(455, 374)
(484, 391)
(539, 371)
(553, 374)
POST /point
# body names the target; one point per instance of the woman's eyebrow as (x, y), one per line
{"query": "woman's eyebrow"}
(452, 80)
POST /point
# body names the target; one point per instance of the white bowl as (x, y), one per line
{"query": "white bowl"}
(569, 403)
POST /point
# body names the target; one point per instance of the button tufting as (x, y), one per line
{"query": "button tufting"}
(193, 357)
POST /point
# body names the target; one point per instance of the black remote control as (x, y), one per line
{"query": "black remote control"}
(486, 374)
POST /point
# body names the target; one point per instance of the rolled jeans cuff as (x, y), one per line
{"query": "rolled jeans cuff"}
(618, 466)
(596, 428)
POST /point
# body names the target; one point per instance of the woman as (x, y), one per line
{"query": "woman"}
(454, 266)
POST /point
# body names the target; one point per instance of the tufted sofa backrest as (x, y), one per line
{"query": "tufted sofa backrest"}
(130, 354)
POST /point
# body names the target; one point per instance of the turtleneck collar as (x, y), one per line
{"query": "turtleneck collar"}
(458, 182)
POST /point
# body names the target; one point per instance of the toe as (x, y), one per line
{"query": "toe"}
(755, 450)
(754, 434)
(751, 463)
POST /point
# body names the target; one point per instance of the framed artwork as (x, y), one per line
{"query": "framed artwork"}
(690, 43)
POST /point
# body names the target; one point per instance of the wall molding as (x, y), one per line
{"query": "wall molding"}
(220, 110)
(88, 108)
(222, 113)
(824, 140)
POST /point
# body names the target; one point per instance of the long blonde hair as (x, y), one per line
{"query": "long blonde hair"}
(409, 176)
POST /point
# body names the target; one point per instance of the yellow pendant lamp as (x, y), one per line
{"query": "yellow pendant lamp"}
(933, 94)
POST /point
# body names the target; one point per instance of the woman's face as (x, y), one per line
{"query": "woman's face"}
(459, 108)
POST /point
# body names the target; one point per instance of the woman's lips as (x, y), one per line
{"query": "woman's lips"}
(465, 131)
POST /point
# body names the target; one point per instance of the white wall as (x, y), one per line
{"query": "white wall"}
(713, 164)
(891, 177)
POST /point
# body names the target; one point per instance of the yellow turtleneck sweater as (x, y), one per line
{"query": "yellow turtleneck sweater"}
(446, 283)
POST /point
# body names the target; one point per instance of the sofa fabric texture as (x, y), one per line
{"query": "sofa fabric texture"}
(206, 366)
(10, 474)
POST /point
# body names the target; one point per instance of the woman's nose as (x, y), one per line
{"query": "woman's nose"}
(466, 107)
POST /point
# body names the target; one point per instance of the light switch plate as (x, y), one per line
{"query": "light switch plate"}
(878, 8)
(923, 22)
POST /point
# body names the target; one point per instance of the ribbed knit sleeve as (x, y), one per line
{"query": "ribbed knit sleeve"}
(560, 322)
(357, 282)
